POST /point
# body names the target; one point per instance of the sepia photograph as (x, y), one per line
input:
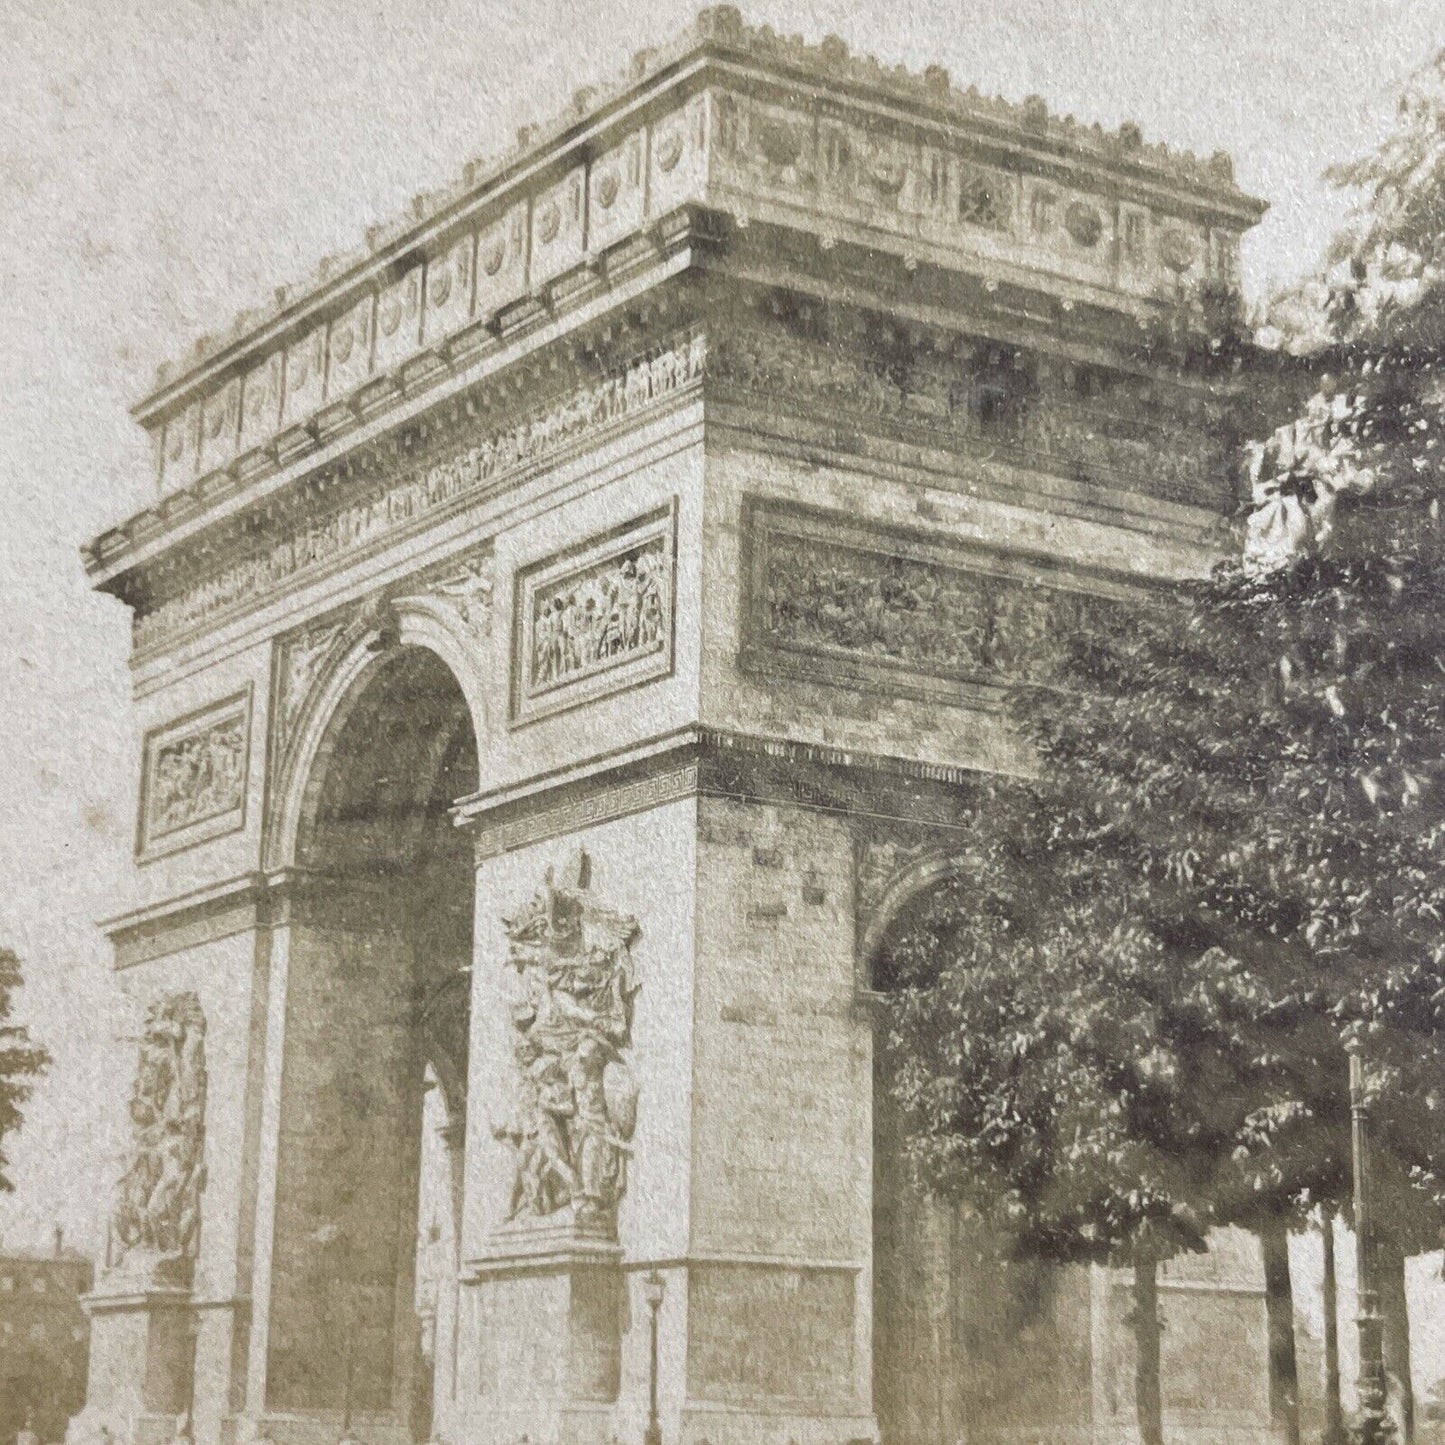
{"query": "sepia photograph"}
(723, 725)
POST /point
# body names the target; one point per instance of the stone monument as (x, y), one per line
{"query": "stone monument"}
(565, 635)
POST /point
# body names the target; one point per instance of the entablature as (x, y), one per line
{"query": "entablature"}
(1061, 400)
(729, 127)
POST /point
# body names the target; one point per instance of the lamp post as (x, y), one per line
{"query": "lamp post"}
(1367, 1317)
(654, 1288)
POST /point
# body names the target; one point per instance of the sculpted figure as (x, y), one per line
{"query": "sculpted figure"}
(608, 613)
(575, 1095)
(157, 1207)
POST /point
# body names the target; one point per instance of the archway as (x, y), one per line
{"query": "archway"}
(967, 1344)
(381, 939)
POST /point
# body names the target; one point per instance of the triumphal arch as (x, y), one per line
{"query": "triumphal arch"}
(565, 634)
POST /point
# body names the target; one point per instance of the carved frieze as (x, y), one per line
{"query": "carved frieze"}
(385, 513)
(594, 619)
(863, 606)
(300, 660)
(193, 777)
(574, 1100)
(871, 169)
(1115, 443)
(156, 1218)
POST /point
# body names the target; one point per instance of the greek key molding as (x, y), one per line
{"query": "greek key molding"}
(599, 804)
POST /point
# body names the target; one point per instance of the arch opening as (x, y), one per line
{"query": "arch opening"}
(374, 1077)
(967, 1343)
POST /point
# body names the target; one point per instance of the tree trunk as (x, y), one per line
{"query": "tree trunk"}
(1390, 1282)
(1334, 1412)
(1279, 1314)
(1148, 1400)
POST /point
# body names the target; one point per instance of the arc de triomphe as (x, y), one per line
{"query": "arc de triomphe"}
(564, 635)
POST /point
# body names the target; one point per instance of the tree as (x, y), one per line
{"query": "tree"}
(21, 1061)
(1089, 1088)
(1237, 829)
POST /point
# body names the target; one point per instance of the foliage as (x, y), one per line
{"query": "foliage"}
(1394, 243)
(1233, 856)
(21, 1060)
(1125, 1021)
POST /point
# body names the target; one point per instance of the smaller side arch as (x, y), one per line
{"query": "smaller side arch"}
(901, 890)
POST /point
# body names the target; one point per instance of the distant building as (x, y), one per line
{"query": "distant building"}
(44, 1338)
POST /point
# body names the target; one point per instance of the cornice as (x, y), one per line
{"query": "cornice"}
(505, 363)
(406, 486)
(485, 367)
(706, 762)
(239, 398)
(245, 903)
(724, 346)
(485, 187)
(719, 35)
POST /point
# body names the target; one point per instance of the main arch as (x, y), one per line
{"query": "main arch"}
(565, 634)
(378, 957)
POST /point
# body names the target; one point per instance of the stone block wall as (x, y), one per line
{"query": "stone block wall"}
(347, 1157)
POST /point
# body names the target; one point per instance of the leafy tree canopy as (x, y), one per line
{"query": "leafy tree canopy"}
(1126, 1019)
(21, 1060)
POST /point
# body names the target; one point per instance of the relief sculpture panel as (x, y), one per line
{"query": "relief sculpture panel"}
(857, 605)
(193, 784)
(595, 619)
(574, 1104)
(156, 1220)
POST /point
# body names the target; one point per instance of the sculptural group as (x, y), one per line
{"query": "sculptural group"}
(158, 1200)
(575, 1097)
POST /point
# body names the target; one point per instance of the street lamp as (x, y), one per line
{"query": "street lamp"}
(654, 1288)
(1367, 1318)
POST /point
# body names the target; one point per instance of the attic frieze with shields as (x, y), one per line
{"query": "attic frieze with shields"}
(760, 129)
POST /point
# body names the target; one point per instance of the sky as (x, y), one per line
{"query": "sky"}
(164, 164)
